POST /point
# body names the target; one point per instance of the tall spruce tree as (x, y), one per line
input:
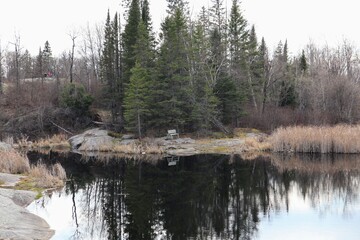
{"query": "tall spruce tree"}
(129, 38)
(303, 63)
(47, 59)
(287, 82)
(238, 36)
(143, 74)
(107, 64)
(137, 101)
(173, 84)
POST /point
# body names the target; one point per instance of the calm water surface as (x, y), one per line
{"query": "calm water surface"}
(205, 197)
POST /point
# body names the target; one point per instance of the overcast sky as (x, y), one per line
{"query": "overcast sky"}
(323, 21)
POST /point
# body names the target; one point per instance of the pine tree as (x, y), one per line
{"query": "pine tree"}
(129, 38)
(174, 5)
(137, 101)
(107, 63)
(265, 78)
(253, 67)
(303, 63)
(118, 80)
(238, 36)
(173, 83)
(239, 67)
(287, 84)
(39, 69)
(47, 59)
(218, 41)
(202, 97)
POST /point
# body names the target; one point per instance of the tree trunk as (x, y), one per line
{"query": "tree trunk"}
(139, 124)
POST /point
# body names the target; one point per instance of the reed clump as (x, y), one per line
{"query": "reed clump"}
(37, 176)
(317, 139)
(55, 141)
(13, 162)
(47, 177)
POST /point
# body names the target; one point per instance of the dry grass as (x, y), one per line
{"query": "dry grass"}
(256, 145)
(39, 176)
(44, 177)
(56, 141)
(13, 162)
(337, 139)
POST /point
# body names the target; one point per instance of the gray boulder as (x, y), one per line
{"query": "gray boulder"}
(91, 140)
(18, 223)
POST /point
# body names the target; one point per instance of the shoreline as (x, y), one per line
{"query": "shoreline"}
(16, 222)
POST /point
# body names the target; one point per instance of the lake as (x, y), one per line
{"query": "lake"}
(204, 197)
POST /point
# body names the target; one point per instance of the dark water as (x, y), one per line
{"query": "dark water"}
(205, 197)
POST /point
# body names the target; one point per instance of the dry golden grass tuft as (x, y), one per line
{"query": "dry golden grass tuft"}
(256, 144)
(13, 162)
(323, 139)
(38, 176)
(56, 141)
(146, 146)
(44, 177)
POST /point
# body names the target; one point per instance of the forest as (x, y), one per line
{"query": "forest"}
(197, 75)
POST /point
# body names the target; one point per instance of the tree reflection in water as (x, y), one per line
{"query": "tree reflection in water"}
(202, 197)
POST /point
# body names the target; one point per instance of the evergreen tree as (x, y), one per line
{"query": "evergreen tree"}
(238, 36)
(145, 15)
(47, 59)
(239, 66)
(107, 63)
(203, 99)
(287, 80)
(173, 84)
(39, 69)
(254, 67)
(174, 5)
(229, 99)
(118, 81)
(218, 42)
(303, 63)
(27, 68)
(129, 38)
(137, 101)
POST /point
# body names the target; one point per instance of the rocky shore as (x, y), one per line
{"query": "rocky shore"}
(16, 222)
(96, 140)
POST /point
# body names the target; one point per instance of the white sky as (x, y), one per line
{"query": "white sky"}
(323, 21)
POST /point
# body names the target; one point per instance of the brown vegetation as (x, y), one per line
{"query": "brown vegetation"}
(323, 139)
(44, 177)
(13, 162)
(39, 176)
(56, 141)
(145, 146)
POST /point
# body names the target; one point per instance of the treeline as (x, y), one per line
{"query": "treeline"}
(201, 74)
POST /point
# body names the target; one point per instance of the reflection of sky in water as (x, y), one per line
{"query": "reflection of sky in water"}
(207, 197)
(57, 211)
(329, 220)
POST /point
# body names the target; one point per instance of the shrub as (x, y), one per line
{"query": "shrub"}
(74, 96)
